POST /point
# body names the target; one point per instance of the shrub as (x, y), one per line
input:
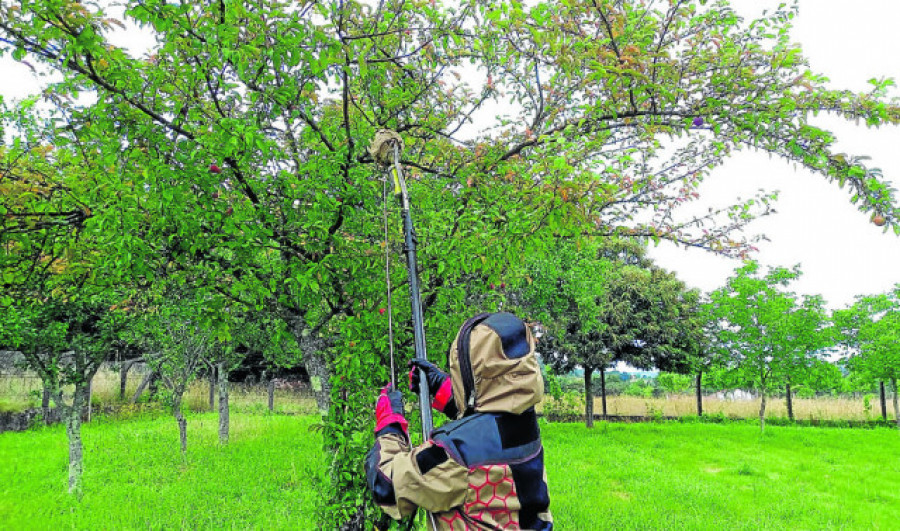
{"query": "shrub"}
(639, 388)
(567, 405)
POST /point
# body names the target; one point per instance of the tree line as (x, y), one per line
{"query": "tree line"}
(606, 302)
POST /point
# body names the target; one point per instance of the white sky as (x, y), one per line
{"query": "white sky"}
(841, 253)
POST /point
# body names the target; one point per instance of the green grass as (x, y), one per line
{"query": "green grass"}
(708, 476)
(621, 476)
(135, 476)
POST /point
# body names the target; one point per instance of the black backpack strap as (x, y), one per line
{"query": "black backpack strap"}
(465, 362)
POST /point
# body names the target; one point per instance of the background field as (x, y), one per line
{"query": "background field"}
(23, 391)
(20, 392)
(635, 476)
(680, 405)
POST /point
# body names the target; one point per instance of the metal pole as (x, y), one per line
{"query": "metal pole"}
(409, 248)
(418, 321)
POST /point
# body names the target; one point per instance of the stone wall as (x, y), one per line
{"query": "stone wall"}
(26, 419)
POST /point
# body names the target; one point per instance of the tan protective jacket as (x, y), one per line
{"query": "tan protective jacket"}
(484, 470)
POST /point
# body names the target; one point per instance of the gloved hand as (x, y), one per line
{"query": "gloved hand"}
(389, 411)
(440, 386)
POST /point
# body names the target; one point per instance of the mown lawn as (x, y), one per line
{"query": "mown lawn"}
(615, 476)
(135, 477)
(709, 476)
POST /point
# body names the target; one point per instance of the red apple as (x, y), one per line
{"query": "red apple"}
(214, 169)
(491, 286)
(503, 285)
(381, 311)
(878, 220)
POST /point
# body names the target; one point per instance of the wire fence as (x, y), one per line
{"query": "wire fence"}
(864, 408)
(21, 390)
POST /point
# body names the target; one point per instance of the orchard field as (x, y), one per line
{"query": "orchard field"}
(204, 188)
(637, 476)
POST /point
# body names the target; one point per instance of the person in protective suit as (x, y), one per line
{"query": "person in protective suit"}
(484, 470)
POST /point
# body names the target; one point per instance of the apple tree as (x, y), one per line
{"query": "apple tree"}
(176, 344)
(57, 303)
(64, 341)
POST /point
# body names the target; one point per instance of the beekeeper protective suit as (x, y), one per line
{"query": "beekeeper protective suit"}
(484, 470)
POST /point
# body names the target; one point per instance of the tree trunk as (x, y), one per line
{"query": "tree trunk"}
(179, 418)
(700, 394)
(883, 403)
(223, 403)
(790, 402)
(603, 391)
(313, 361)
(762, 411)
(123, 378)
(319, 375)
(212, 387)
(896, 403)
(140, 389)
(87, 406)
(73, 432)
(271, 394)
(154, 385)
(45, 405)
(588, 398)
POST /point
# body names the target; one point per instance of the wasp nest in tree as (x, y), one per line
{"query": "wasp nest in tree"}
(382, 149)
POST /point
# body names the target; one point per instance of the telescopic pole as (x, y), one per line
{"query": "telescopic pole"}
(409, 248)
(415, 299)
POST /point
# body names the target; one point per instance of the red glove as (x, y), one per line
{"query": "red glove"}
(389, 410)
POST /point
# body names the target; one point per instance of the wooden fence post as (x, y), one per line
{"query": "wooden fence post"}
(700, 393)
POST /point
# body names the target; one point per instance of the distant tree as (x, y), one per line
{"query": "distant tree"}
(607, 302)
(274, 348)
(805, 341)
(762, 335)
(877, 336)
(176, 345)
(673, 382)
(699, 357)
(225, 358)
(848, 323)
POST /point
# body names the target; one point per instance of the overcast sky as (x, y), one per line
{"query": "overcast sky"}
(840, 252)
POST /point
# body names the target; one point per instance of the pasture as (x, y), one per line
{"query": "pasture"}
(625, 476)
